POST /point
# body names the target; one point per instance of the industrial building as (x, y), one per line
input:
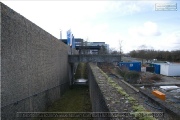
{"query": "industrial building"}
(91, 47)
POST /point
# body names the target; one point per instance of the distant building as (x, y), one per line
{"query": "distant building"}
(98, 44)
(78, 41)
(89, 47)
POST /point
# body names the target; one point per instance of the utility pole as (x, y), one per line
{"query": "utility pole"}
(60, 34)
(120, 46)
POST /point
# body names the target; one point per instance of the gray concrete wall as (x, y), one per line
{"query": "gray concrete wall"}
(35, 69)
(96, 91)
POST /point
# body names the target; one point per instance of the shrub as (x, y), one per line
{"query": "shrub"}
(155, 77)
(122, 72)
(132, 77)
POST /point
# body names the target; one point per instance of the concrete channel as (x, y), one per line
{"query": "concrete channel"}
(74, 100)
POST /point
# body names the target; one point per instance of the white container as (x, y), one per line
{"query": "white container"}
(170, 69)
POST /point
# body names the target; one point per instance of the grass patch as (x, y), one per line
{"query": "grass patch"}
(74, 100)
(139, 109)
(81, 71)
(131, 99)
(71, 101)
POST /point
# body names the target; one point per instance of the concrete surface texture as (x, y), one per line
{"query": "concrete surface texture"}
(35, 68)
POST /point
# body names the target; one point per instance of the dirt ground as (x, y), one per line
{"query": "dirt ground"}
(147, 77)
(177, 78)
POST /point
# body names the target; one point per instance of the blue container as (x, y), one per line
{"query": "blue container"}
(133, 66)
(157, 68)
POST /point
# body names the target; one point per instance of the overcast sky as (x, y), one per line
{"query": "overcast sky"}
(135, 22)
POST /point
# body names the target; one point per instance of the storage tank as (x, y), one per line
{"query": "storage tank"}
(133, 66)
(170, 69)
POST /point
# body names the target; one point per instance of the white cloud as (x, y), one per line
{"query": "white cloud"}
(174, 37)
(123, 7)
(168, 42)
(83, 19)
(55, 15)
(131, 7)
(173, 40)
(148, 29)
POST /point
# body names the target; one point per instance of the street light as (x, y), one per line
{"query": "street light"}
(60, 34)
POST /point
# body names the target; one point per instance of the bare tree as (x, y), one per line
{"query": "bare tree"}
(103, 50)
(84, 47)
(142, 47)
(111, 50)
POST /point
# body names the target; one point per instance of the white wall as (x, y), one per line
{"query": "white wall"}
(174, 70)
(164, 69)
(170, 69)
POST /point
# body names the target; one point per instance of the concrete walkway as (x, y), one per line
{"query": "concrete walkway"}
(168, 81)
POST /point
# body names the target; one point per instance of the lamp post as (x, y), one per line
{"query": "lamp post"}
(60, 34)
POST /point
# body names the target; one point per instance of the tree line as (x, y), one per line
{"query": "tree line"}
(172, 56)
